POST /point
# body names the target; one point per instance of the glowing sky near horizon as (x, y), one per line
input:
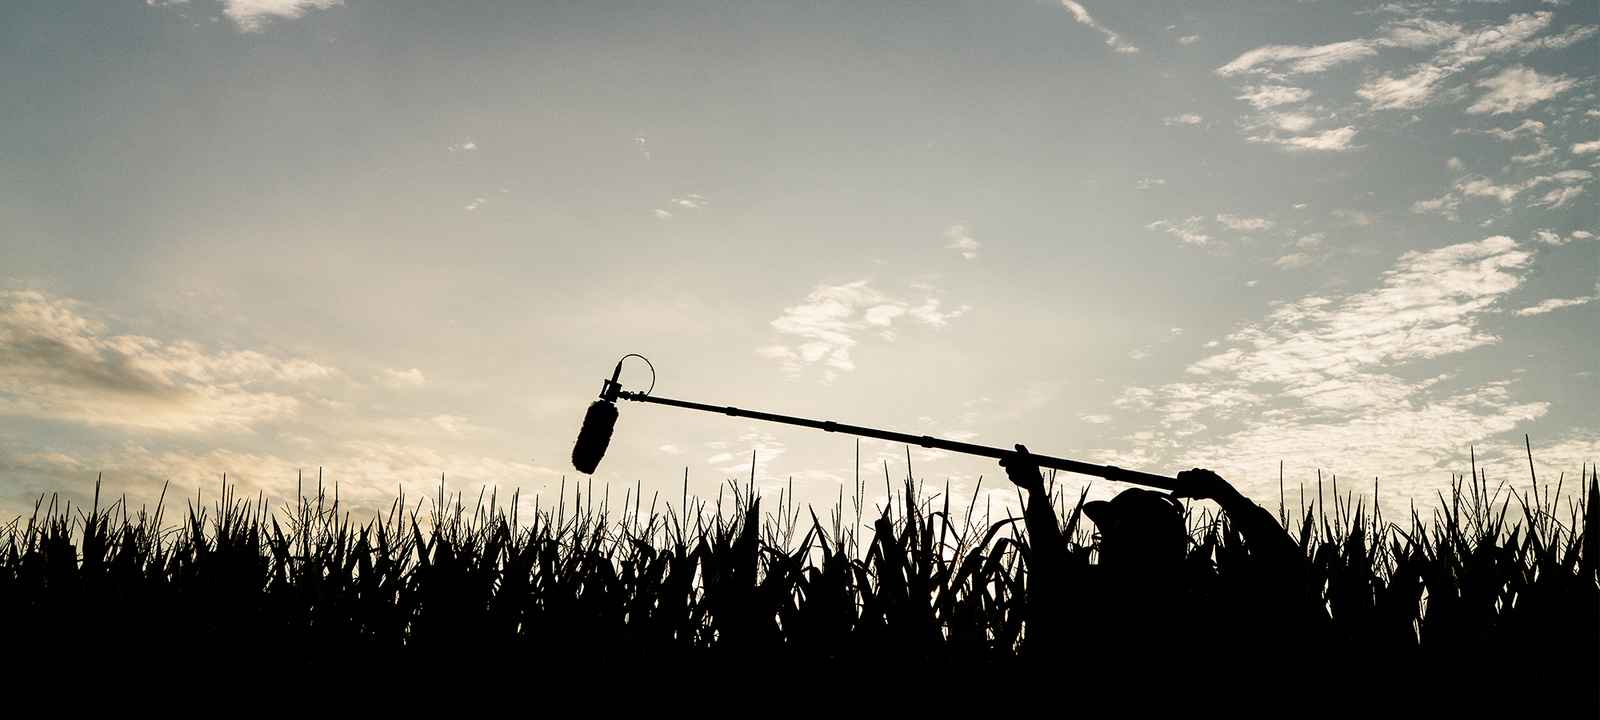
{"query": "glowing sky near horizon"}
(395, 240)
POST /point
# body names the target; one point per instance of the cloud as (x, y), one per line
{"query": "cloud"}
(1571, 37)
(1586, 148)
(1558, 197)
(692, 202)
(1187, 231)
(829, 320)
(1235, 222)
(1186, 119)
(1314, 382)
(1269, 96)
(1420, 84)
(1558, 303)
(1517, 88)
(56, 363)
(1480, 186)
(475, 204)
(252, 15)
(960, 240)
(1528, 127)
(1335, 139)
(1148, 183)
(1082, 16)
(1411, 91)
(1279, 61)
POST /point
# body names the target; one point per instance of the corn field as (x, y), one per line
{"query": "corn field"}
(238, 606)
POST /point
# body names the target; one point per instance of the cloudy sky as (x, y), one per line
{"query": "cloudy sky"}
(397, 240)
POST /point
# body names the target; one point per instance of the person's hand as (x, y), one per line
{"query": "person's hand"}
(1023, 470)
(1203, 484)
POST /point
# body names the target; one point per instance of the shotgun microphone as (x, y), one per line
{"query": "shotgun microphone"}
(595, 436)
(601, 420)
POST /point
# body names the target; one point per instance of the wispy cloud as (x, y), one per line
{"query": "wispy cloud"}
(1460, 48)
(961, 240)
(1450, 48)
(1315, 380)
(1570, 184)
(1558, 303)
(687, 202)
(1185, 119)
(1268, 96)
(1337, 139)
(1113, 39)
(1187, 230)
(1235, 222)
(832, 317)
(1281, 61)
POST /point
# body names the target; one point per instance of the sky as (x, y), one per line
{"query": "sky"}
(393, 242)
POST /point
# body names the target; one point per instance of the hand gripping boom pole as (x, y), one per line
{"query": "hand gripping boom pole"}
(602, 415)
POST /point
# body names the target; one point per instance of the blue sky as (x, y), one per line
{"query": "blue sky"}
(395, 240)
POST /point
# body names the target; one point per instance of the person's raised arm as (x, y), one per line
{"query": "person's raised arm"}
(1260, 530)
(1043, 532)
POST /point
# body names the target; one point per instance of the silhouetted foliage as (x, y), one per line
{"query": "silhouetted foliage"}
(584, 606)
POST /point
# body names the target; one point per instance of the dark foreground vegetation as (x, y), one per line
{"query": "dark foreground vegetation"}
(1489, 602)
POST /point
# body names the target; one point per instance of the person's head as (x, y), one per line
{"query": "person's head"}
(1140, 532)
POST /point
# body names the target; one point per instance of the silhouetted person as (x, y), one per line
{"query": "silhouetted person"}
(1146, 607)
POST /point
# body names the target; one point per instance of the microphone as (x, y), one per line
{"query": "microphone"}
(598, 423)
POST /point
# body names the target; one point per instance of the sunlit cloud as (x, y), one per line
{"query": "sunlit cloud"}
(1528, 127)
(1187, 230)
(1269, 96)
(253, 15)
(1558, 303)
(1572, 184)
(1280, 61)
(829, 321)
(1185, 119)
(1235, 222)
(57, 363)
(1315, 383)
(961, 240)
(1337, 139)
(1517, 88)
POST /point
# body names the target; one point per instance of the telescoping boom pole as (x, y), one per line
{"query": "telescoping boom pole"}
(1109, 472)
